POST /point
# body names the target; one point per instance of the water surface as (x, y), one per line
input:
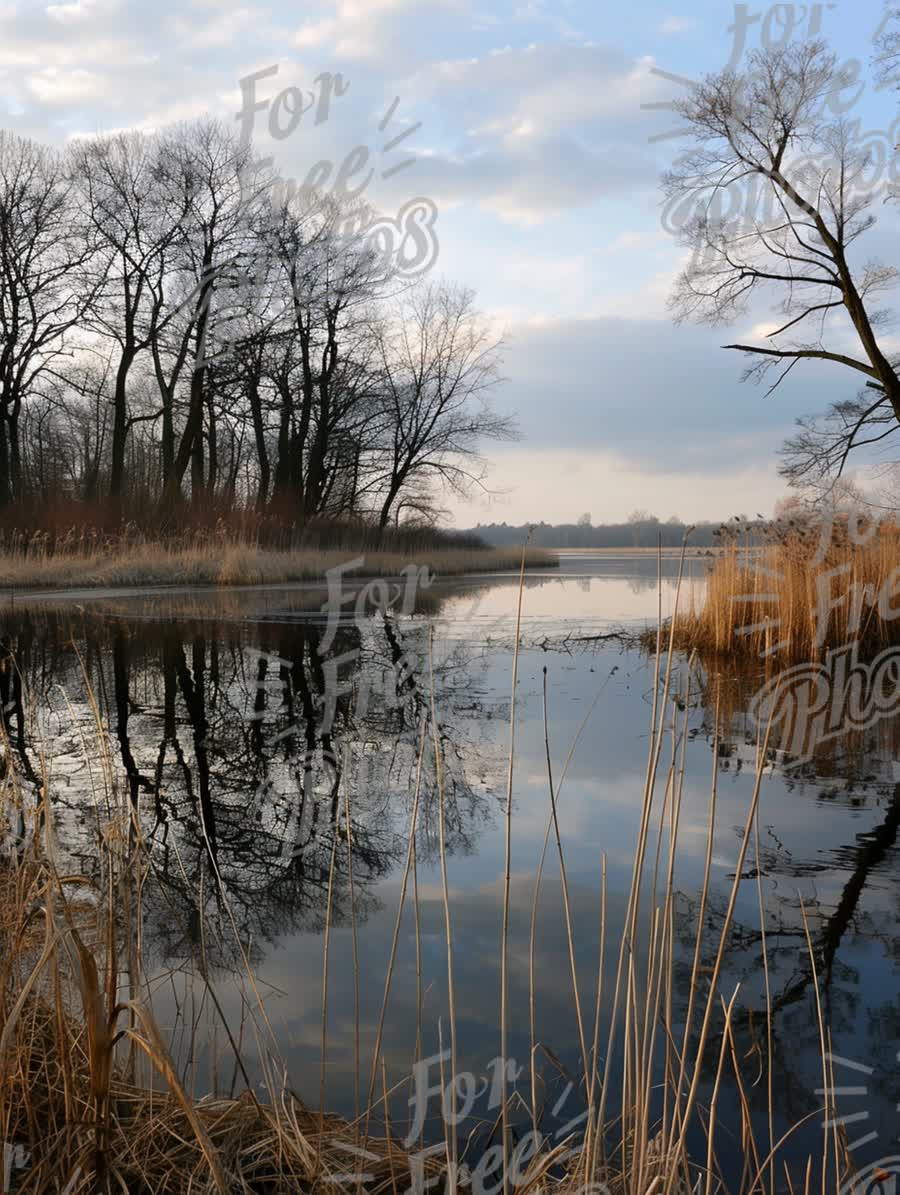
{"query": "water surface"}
(245, 774)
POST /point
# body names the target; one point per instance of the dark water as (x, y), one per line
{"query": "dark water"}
(244, 778)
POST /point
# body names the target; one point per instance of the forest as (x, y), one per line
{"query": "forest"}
(179, 330)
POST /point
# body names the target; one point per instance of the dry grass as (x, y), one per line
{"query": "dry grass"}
(89, 1091)
(90, 1097)
(780, 601)
(229, 563)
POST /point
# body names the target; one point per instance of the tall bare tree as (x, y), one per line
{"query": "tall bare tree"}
(131, 223)
(782, 200)
(40, 254)
(439, 364)
(223, 186)
(331, 279)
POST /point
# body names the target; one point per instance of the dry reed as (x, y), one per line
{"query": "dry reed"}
(791, 600)
(229, 563)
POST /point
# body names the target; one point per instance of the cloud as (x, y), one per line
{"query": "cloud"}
(368, 30)
(678, 376)
(541, 129)
(81, 35)
(315, 34)
(223, 29)
(532, 177)
(552, 87)
(530, 484)
(81, 10)
(525, 133)
(55, 86)
(673, 25)
(643, 413)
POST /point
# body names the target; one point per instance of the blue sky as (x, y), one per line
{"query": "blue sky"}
(536, 145)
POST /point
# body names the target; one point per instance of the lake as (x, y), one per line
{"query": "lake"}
(248, 730)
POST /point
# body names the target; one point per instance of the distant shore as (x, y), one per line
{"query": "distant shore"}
(670, 552)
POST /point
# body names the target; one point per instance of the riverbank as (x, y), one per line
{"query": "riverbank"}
(162, 564)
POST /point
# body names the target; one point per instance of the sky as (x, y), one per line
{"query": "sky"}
(538, 130)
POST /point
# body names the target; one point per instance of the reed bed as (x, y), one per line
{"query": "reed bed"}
(91, 1101)
(224, 563)
(794, 598)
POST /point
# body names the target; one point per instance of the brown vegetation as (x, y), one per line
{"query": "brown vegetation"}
(792, 601)
(230, 554)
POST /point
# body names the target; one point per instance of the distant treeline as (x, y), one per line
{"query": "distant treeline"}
(606, 535)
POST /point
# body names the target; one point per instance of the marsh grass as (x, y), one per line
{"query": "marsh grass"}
(91, 1096)
(779, 601)
(184, 562)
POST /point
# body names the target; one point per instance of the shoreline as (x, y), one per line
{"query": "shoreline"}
(158, 569)
(670, 552)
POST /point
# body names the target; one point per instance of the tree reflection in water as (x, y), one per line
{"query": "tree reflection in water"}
(846, 896)
(239, 773)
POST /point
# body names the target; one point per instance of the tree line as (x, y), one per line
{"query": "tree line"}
(644, 531)
(178, 325)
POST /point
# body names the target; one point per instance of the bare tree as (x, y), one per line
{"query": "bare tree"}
(179, 327)
(40, 253)
(75, 406)
(131, 222)
(887, 47)
(766, 137)
(331, 279)
(223, 189)
(439, 363)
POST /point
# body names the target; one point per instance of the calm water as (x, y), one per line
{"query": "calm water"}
(215, 705)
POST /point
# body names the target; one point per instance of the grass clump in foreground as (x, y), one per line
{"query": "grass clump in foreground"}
(92, 1101)
(222, 555)
(797, 596)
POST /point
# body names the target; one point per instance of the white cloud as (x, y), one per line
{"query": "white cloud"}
(676, 24)
(542, 129)
(54, 86)
(551, 87)
(366, 30)
(81, 10)
(220, 31)
(80, 35)
(317, 33)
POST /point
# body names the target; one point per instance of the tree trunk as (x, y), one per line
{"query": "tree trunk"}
(120, 426)
(262, 454)
(5, 487)
(168, 440)
(15, 456)
(212, 476)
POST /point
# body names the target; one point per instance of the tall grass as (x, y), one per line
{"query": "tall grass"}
(92, 1099)
(223, 560)
(792, 601)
